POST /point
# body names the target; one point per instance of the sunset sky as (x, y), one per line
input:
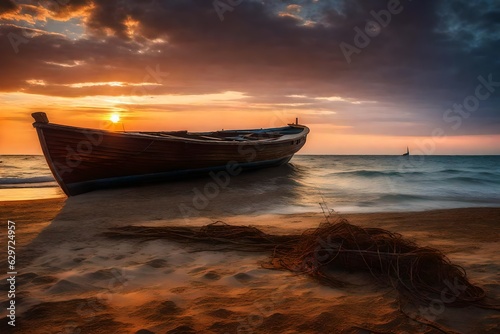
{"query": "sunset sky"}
(368, 77)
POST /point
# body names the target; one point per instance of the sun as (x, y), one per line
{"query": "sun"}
(115, 118)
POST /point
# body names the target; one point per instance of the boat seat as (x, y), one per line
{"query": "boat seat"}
(208, 137)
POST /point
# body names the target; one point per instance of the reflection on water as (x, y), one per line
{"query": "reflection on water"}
(345, 183)
(359, 184)
(22, 194)
(261, 191)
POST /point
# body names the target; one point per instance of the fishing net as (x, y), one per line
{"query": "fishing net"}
(420, 274)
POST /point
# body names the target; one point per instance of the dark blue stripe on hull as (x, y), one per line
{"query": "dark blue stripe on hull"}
(124, 181)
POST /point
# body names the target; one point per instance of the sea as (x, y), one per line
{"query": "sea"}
(357, 183)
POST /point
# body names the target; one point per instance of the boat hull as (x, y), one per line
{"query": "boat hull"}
(83, 160)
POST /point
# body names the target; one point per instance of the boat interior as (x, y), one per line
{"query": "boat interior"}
(229, 135)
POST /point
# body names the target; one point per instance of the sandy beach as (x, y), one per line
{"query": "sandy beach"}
(249, 167)
(73, 279)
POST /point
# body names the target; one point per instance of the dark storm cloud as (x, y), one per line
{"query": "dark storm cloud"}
(63, 8)
(427, 58)
(7, 6)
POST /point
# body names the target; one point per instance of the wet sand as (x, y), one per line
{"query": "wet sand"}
(72, 279)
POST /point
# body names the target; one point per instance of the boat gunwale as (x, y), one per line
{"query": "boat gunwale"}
(140, 135)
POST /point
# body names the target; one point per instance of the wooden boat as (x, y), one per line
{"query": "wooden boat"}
(83, 159)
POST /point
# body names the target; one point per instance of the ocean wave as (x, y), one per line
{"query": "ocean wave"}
(28, 180)
(374, 173)
(473, 180)
(402, 197)
(451, 171)
(469, 171)
(465, 176)
(496, 174)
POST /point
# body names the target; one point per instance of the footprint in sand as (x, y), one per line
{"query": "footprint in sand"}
(212, 275)
(157, 263)
(243, 278)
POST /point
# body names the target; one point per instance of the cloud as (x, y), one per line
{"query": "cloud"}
(7, 6)
(33, 12)
(65, 9)
(426, 59)
(27, 13)
(474, 23)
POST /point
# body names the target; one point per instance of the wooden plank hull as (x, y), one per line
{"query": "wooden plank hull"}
(83, 159)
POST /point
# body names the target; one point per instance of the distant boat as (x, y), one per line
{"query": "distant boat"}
(407, 151)
(83, 160)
